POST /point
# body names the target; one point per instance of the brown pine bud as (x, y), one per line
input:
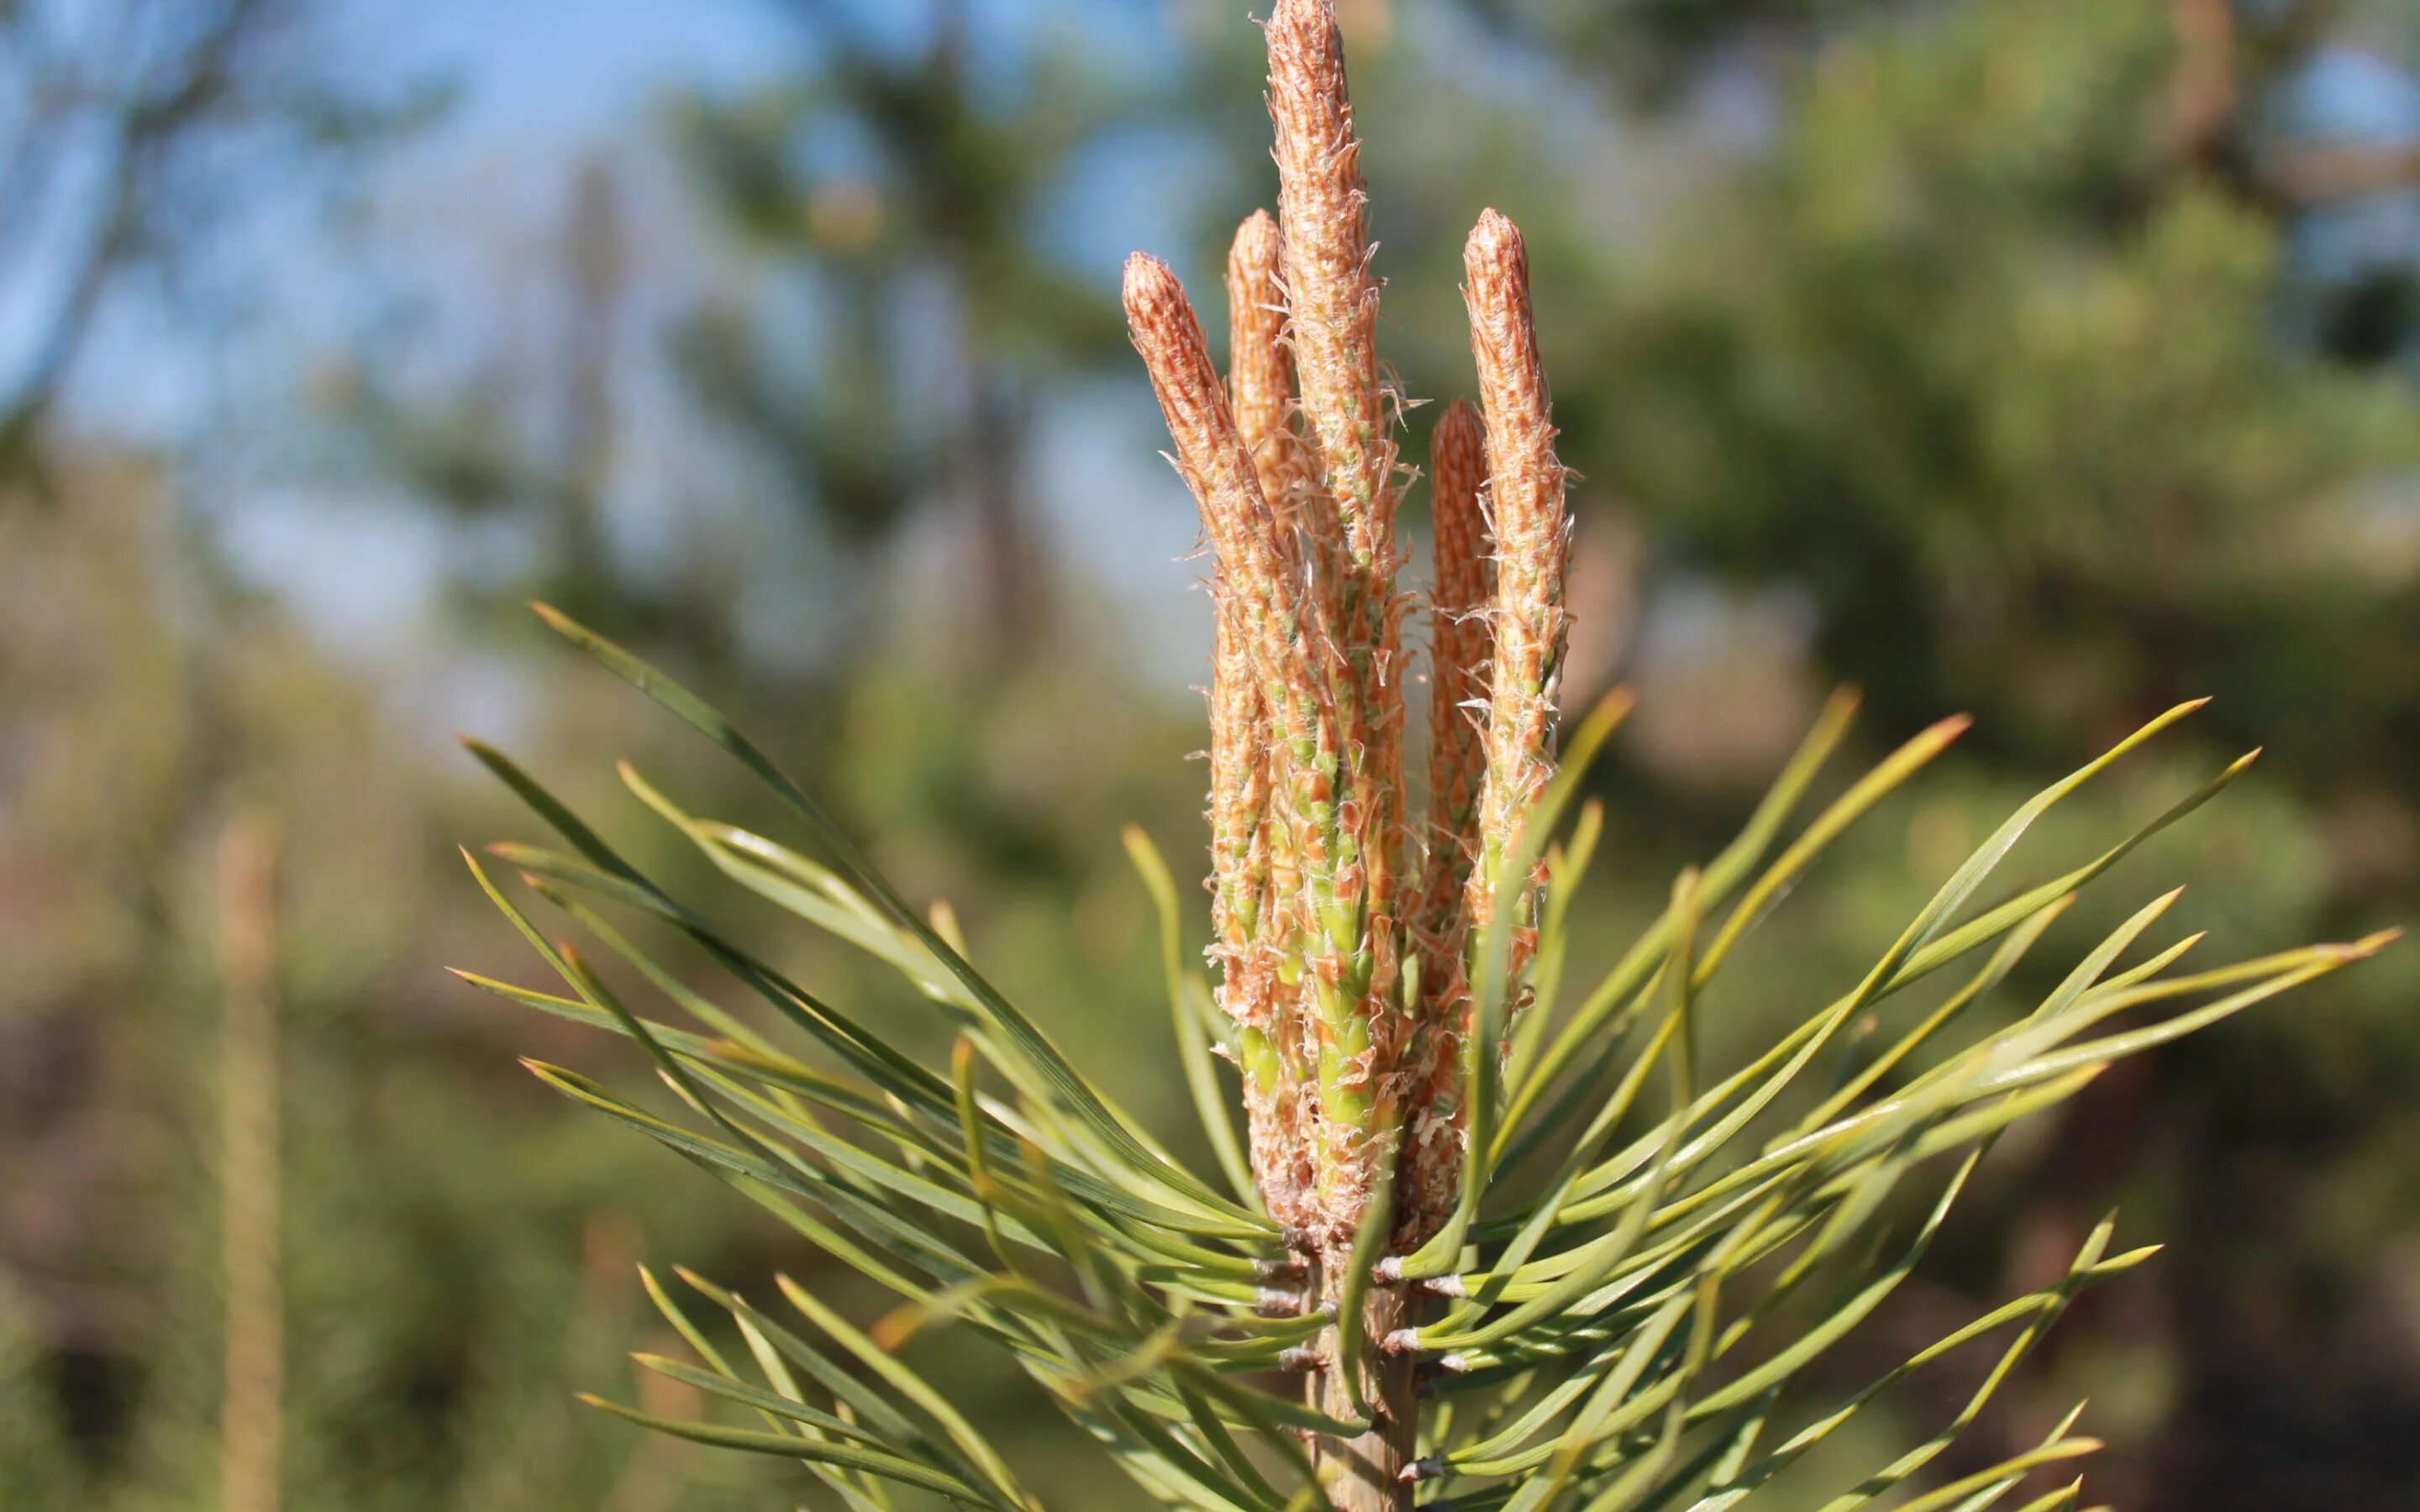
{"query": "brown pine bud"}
(1215, 465)
(1457, 771)
(1347, 515)
(1260, 371)
(1460, 645)
(1332, 298)
(1532, 531)
(1273, 748)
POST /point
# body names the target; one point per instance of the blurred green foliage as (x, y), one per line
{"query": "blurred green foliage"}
(1973, 351)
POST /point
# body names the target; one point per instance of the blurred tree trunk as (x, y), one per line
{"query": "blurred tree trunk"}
(251, 1407)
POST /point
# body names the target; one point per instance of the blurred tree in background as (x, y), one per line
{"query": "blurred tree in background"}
(2050, 358)
(901, 192)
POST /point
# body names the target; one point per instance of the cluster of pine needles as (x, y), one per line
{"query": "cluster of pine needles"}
(1479, 1238)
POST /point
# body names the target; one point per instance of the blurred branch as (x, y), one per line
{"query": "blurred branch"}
(147, 112)
(595, 252)
(251, 1412)
(107, 141)
(2202, 97)
(2316, 174)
